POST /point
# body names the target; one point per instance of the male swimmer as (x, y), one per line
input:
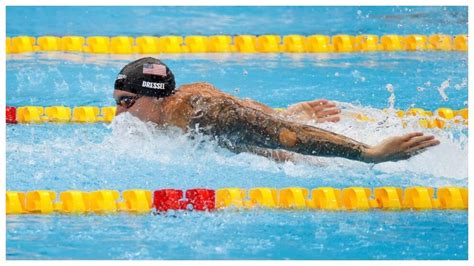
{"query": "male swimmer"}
(146, 89)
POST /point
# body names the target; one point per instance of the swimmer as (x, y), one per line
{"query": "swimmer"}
(146, 89)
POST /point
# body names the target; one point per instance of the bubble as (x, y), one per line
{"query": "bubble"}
(462, 85)
(442, 89)
(356, 74)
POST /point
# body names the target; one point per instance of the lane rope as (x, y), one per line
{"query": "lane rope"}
(440, 118)
(341, 43)
(203, 199)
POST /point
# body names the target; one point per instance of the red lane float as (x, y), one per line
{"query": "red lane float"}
(11, 115)
(198, 199)
(167, 199)
(201, 199)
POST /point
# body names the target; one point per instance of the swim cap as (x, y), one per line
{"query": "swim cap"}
(146, 76)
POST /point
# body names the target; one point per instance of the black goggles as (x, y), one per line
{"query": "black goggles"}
(127, 101)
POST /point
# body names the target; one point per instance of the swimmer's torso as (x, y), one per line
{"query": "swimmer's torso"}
(203, 108)
(190, 101)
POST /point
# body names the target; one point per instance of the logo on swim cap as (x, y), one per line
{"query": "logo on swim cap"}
(153, 85)
(154, 69)
(121, 76)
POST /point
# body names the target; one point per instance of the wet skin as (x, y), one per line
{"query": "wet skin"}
(246, 125)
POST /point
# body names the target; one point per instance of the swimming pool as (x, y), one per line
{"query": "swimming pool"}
(128, 154)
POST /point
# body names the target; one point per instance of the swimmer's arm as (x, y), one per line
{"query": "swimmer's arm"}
(230, 117)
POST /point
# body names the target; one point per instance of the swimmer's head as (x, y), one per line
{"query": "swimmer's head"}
(140, 85)
(147, 76)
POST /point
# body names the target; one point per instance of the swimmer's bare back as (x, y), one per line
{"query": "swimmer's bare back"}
(239, 123)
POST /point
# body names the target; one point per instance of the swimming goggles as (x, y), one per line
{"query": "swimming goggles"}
(127, 101)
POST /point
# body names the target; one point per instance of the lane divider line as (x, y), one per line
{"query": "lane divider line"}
(440, 118)
(204, 199)
(270, 43)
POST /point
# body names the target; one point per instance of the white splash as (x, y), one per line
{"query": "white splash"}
(140, 154)
(391, 99)
(461, 85)
(449, 159)
(442, 89)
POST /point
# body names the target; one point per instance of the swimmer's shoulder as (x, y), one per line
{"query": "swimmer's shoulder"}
(188, 95)
(198, 88)
(199, 93)
(187, 100)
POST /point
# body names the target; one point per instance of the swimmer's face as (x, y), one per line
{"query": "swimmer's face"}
(137, 105)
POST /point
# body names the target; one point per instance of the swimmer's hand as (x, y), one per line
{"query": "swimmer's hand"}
(399, 148)
(319, 110)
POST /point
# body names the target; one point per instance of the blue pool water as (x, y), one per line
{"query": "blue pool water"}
(129, 154)
(235, 20)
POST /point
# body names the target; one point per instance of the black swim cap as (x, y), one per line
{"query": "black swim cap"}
(146, 76)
